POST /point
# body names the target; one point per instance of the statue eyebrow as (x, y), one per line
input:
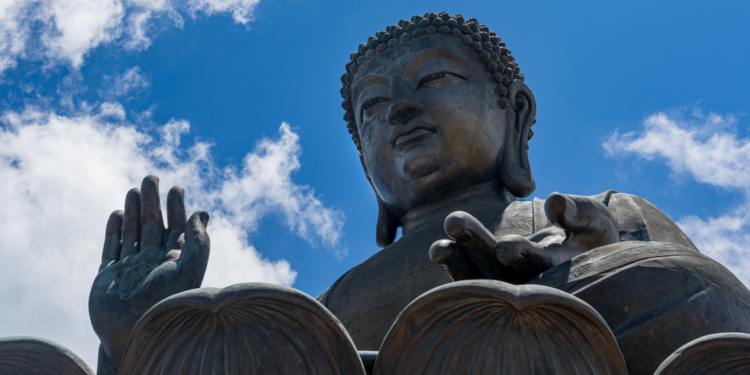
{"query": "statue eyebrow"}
(370, 80)
(429, 55)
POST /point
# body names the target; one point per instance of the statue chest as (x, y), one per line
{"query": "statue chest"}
(368, 299)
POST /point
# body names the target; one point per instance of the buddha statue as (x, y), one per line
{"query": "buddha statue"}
(441, 118)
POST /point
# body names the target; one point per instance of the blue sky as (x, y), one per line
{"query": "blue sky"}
(643, 98)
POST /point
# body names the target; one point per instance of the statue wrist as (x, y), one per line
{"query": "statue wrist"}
(104, 365)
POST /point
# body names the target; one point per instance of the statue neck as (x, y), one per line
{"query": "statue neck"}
(486, 196)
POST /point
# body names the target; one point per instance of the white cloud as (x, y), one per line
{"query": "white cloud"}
(704, 146)
(266, 176)
(708, 149)
(62, 176)
(128, 83)
(74, 27)
(725, 238)
(114, 110)
(241, 10)
(65, 31)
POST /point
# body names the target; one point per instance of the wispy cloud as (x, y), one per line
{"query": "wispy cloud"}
(63, 175)
(707, 148)
(65, 31)
(704, 146)
(123, 85)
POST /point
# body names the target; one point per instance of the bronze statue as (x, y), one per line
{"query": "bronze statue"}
(441, 118)
(442, 125)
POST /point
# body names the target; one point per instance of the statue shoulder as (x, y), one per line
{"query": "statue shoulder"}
(326, 296)
(637, 219)
(521, 217)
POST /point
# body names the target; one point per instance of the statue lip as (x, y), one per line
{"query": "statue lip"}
(400, 134)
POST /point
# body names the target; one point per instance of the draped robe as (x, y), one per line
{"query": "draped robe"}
(654, 296)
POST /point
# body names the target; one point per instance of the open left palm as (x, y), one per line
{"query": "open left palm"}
(473, 252)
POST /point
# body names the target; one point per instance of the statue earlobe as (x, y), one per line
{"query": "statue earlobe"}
(388, 223)
(387, 226)
(515, 170)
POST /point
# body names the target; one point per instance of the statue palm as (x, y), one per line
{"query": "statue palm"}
(142, 263)
(580, 224)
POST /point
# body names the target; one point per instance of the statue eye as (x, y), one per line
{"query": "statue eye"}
(436, 80)
(373, 102)
(372, 106)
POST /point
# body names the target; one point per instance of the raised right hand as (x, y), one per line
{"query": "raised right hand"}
(143, 262)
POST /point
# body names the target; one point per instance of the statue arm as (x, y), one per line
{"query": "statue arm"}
(143, 262)
(639, 220)
(567, 226)
(104, 365)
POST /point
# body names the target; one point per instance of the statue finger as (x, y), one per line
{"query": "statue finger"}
(194, 256)
(131, 224)
(176, 218)
(152, 222)
(523, 255)
(478, 244)
(449, 255)
(468, 231)
(586, 217)
(560, 209)
(112, 239)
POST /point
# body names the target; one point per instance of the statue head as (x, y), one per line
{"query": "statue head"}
(436, 105)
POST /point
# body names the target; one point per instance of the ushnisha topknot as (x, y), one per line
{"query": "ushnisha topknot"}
(485, 44)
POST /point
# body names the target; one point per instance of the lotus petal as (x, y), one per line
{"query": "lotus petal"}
(250, 328)
(717, 354)
(23, 355)
(491, 327)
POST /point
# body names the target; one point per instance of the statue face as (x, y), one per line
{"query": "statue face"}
(429, 121)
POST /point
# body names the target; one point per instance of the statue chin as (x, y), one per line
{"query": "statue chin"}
(419, 161)
(423, 166)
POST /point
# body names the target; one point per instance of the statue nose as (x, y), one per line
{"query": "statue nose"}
(402, 111)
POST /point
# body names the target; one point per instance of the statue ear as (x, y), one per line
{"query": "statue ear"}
(388, 223)
(515, 169)
(387, 226)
